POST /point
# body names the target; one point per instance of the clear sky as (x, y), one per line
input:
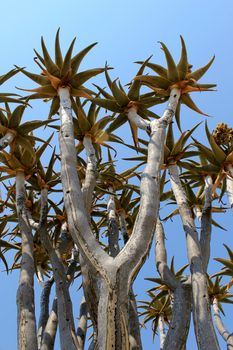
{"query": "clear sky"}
(127, 31)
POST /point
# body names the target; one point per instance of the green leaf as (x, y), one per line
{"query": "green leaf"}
(134, 90)
(83, 121)
(178, 147)
(119, 95)
(39, 79)
(16, 116)
(55, 105)
(182, 66)
(158, 82)
(58, 54)
(186, 99)
(172, 73)
(51, 67)
(66, 67)
(218, 152)
(196, 75)
(8, 75)
(34, 124)
(49, 171)
(156, 68)
(108, 104)
(170, 137)
(80, 78)
(77, 59)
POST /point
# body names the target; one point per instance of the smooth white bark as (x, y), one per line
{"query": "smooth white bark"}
(135, 119)
(229, 180)
(162, 332)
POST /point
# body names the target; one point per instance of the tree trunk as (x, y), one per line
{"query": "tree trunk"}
(27, 339)
(204, 330)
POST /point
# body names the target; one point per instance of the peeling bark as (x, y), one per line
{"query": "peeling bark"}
(204, 330)
(27, 339)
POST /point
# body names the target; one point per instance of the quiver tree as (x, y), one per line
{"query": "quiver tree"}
(80, 211)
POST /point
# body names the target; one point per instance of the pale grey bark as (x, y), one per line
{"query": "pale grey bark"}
(116, 274)
(134, 325)
(50, 330)
(123, 226)
(113, 231)
(26, 322)
(90, 175)
(181, 296)
(6, 140)
(161, 258)
(68, 339)
(229, 180)
(135, 119)
(206, 223)
(162, 332)
(228, 337)
(75, 207)
(44, 309)
(82, 324)
(181, 313)
(204, 330)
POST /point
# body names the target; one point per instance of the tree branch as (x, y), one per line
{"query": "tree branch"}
(27, 338)
(204, 330)
(206, 224)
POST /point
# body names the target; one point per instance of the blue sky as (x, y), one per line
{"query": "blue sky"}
(126, 31)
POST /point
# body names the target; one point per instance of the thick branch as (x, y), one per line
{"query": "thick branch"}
(113, 231)
(44, 309)
(76, 213)
(161, 258)
(123, 226)
(82, 324)
(90, 176)
(27, 339)
(181, 314)
(133, 254)
(204, 330)
(135, 119)
(229, 181)
(220, 326)
(206, 223)
(68, 338)
(162, 332)
(50, 329)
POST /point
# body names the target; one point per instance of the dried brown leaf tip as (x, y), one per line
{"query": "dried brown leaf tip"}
(178, 75)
